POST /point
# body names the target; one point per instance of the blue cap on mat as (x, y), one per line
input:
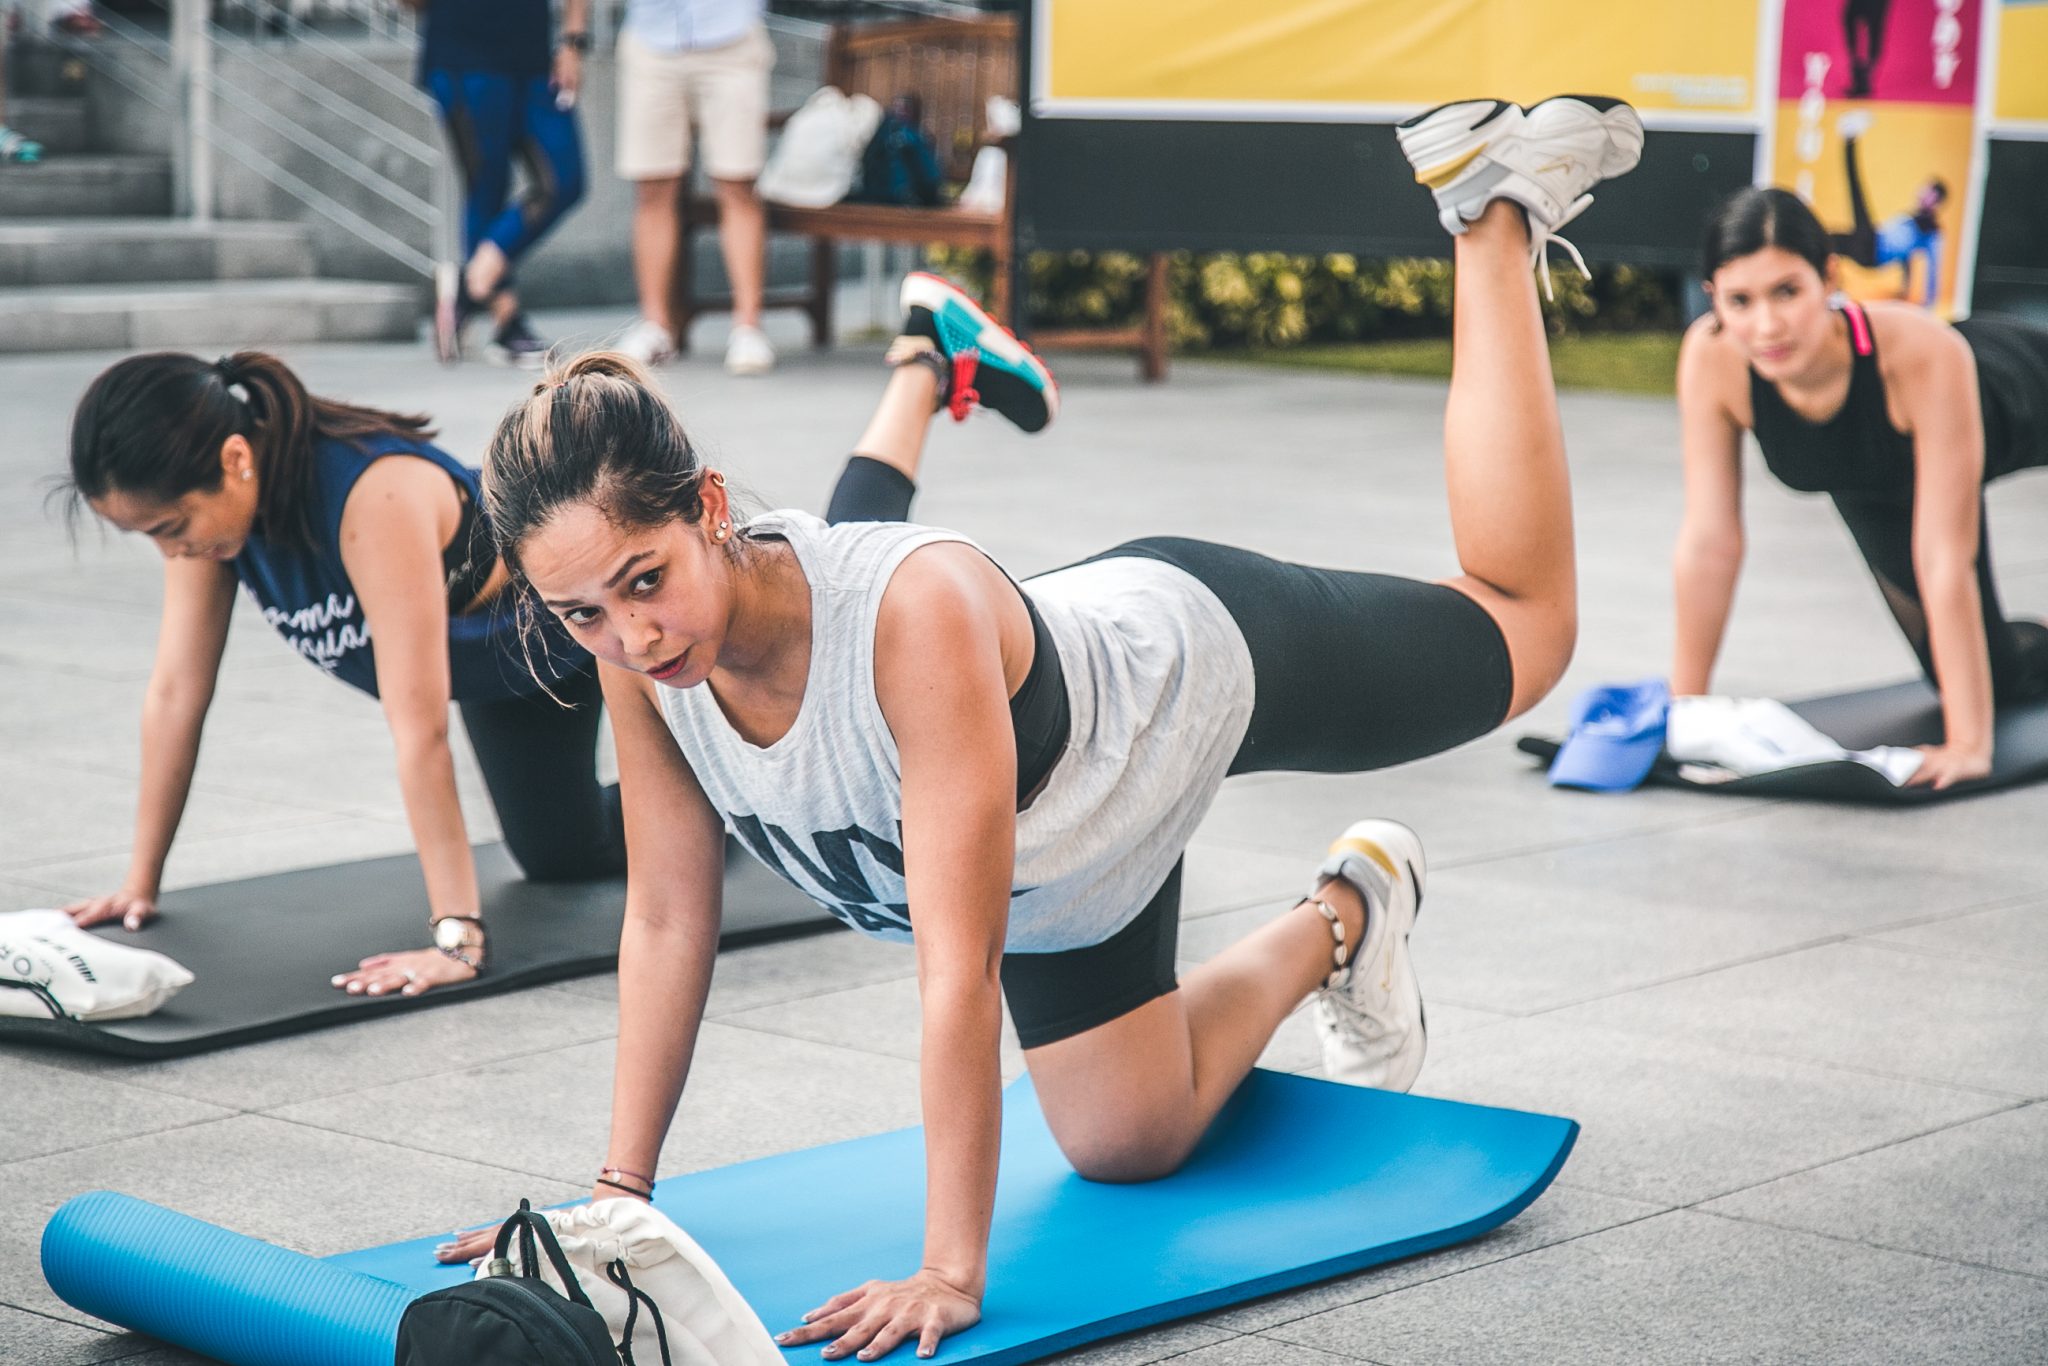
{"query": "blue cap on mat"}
(1617, 733)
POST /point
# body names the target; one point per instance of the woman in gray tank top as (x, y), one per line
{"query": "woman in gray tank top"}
(1003, 774)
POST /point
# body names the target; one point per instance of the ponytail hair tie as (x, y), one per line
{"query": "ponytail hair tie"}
(226, 368)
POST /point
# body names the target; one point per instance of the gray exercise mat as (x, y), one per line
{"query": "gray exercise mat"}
(262, 950)
(1903, 714)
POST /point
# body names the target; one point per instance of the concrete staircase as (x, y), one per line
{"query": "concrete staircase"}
(90, 257)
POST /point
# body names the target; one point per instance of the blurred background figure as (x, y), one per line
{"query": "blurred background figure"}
(695, 67)
(507, 94)
(1897, 240)
(13, 146)
(1863, 32)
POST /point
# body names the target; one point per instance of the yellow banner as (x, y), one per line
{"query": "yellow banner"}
(2023, 62)
(1233, 58)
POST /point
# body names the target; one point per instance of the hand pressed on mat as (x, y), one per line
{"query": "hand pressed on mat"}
(475, 1244)
(1943, 766)
(407, 974)
(870, 1322)
(132, 909)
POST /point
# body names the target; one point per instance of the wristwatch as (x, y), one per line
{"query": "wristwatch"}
(575, 42)
(461, 937)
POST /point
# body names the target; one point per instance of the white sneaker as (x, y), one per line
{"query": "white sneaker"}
(747, 352)
(1545, 159)
(648, 342)
(1371, 1022)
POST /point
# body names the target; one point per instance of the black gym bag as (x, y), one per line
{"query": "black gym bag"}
(509, 1318)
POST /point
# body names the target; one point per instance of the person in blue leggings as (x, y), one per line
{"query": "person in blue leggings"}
(505, 96)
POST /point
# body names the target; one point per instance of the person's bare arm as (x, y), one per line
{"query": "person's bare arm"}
(675, 885)
(399, 515)
(1707, 559)
(1937, 387)
(940, 678)
(568, 59)
(675, 888)
(199, 600)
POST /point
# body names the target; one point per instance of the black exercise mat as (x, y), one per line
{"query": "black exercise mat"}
(1903, 714)
(263, 950)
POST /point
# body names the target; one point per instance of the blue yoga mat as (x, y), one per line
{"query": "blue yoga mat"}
(1298, 1181)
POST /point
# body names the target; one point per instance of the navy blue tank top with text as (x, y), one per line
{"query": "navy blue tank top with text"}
(306, 596)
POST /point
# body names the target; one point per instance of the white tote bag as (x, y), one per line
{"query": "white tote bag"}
(705, 1320)
(816, 161)
(47, 961)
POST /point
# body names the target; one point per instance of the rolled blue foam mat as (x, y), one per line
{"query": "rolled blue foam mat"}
(1299, 1180)
(223, 1295)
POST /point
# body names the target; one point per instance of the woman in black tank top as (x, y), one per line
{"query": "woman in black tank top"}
(1900, 418)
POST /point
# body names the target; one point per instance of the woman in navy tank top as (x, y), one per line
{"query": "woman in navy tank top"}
(363, 545)
(1899, 417)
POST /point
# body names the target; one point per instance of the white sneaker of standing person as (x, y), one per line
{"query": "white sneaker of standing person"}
(1369, 1012)
(648, 342)
(1544, 158)
(747, 351)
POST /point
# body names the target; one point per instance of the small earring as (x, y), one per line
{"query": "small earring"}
(247, 473)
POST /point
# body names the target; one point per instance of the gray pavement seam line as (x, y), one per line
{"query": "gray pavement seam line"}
(309, 818)
(1825, 941)
(1950, 955)
(728, 1016)
(1696, 1205)
(270, 1111)
(1322, 1350)
(1756, 807)
(124, 1138)
(2017, 899)
(1875, 1246)
(2018, 1097)
(1461, 1270)
(469, 1157)
(733, 1022)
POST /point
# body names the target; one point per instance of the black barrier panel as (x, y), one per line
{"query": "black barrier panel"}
(1161, 185)
(2012, 246)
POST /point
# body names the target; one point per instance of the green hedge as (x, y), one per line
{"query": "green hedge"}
(1271, 299)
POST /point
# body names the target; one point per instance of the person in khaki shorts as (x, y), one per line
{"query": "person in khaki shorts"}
(695, 67)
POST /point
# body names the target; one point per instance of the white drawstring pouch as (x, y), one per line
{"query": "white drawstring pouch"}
(705, 1320)
(818, 156)
(49, 968)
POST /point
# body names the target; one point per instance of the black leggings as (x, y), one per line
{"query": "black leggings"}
(1352, 672)
(1859, 244)
(539, 760)
(1883, 529)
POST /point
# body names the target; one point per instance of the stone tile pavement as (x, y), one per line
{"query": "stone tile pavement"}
(1807, 1043)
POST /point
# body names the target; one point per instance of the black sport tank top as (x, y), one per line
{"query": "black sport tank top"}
(1857, 451)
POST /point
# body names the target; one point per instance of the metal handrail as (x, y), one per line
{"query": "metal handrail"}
(266, 167)
(349, 112)
(341, 52)
(371, 179)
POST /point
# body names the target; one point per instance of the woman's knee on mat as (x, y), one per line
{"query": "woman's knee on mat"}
(1123, 1149)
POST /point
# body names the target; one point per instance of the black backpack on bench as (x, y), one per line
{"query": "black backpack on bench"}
(508, 1318)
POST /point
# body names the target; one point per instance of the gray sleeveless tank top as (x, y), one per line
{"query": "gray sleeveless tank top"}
(1159, 688)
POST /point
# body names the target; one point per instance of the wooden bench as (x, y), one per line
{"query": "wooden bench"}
(954, 66)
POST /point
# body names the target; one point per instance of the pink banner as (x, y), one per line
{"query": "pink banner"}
(1899, 51)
